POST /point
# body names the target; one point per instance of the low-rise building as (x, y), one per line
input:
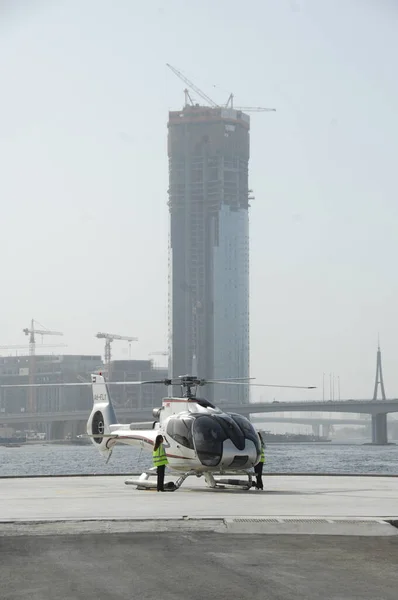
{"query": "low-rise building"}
(137, 396)
(55, 369)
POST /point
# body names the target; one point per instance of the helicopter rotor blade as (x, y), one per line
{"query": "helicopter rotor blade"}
(294, 387)
(85, 383)
(168, 382)
(228, 379)
(155, 381)
(29, 385)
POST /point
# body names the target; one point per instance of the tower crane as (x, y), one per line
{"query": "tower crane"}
(159, 353)
(228, 104)
(109, 338)
(32, 332)
(193, 87)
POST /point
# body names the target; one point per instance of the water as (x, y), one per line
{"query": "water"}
(47, 459)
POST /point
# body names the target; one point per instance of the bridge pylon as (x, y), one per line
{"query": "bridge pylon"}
(379, 382)
(379, 421)
(379, 377)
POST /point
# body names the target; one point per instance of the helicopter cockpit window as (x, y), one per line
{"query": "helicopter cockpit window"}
(232, 430)
(209, 437)
(180, 430)
(247, 429)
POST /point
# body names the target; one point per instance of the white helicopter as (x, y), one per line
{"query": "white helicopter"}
(199, 438)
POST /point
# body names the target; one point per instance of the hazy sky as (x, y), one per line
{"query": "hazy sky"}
(85, 95)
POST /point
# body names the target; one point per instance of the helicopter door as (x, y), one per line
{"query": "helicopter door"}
(180, 430)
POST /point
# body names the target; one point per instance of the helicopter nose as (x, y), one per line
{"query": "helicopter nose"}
(243, 459)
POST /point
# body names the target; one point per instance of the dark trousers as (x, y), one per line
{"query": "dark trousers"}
(160, 471)
(258, 469)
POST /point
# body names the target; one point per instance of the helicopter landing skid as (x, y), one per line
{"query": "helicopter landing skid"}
(143, 482)
(213, 480)
(222, 482)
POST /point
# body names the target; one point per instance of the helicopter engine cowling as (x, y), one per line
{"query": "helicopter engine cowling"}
(156, 413)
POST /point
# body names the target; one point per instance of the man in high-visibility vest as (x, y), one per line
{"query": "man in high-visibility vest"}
(159, 461)
(258, 469)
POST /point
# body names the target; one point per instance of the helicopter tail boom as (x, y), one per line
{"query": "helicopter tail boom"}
(102, 417)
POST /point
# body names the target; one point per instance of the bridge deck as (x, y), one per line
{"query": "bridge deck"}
(144, 414)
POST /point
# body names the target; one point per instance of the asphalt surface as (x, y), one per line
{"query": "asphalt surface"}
(196, 566)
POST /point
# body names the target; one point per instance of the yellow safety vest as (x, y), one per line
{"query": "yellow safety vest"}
(159, 457)
(262, 457)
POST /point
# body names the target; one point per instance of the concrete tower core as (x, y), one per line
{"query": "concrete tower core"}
(208, 151)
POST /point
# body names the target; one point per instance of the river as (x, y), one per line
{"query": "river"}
(48, 459)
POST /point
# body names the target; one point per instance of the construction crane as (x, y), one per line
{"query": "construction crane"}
(228, 104)
(32, 332)
(109, 338)
(193, 87)
(159, 353)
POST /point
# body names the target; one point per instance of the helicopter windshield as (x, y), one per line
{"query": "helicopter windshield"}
(209, 437)
(209, 433)
(247, 429)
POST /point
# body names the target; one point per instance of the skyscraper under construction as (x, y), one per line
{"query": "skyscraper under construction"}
(208, 152)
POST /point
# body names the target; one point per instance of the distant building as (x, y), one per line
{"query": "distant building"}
(137, 396)
(49, 369)
(208, 152)
(76, 368)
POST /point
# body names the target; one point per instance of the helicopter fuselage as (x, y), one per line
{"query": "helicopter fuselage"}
(197, 437)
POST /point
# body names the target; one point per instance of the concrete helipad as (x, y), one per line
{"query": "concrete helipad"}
(86, 538)
(109, 498)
